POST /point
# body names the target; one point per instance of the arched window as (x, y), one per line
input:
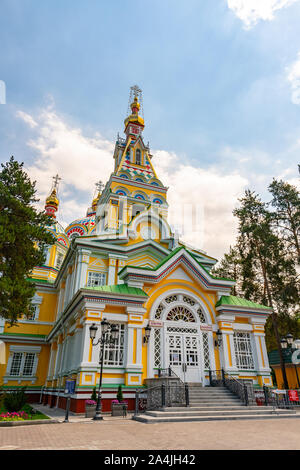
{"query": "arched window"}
(180, 313)
(138, 157)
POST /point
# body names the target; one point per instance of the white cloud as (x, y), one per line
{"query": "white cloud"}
(293, 76)
(201, 202)
(27, 119)
(251, 11)
(201, 198)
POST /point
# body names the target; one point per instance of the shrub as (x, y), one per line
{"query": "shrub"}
(94, 395)
(14, 401)
(120, 394)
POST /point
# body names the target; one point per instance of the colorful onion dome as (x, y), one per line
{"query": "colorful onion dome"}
(134, 117)
(52, 204)
(81, 227)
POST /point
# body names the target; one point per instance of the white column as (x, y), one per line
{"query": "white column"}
(81, 271)
(58, 359)
(111, 271)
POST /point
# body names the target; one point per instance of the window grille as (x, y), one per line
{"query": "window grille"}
(114, 353)
(206, 350)
(171, 298)
(201, 315)
(59, 260)
(159, 312)
(22, 364)
(243, 350)
(180, 313)
(28, 364)
(96, 279)
(157, 347)
(188, 300)
(16, 363)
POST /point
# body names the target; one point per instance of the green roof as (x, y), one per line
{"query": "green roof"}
(274, 357)
(238, 302)
(173, 253)
(122, 289)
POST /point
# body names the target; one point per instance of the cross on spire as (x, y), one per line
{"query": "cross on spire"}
(56, 180)
(136, 90)
(99, 185)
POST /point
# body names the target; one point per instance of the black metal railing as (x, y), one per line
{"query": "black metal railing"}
(287, 399)
(161, 396)
(219, 378)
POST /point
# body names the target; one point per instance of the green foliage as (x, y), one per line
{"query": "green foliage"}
(14, 401)
(23, 238)
(120, 394)
(264, 259)
(94, 394)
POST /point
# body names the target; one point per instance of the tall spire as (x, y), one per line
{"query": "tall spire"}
(99, 186)
(52, 201)
(134, 124)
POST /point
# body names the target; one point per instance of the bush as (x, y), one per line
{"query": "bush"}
(94, 395)
(14, 401)
(120, 394)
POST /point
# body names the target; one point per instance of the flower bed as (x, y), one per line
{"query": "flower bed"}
(14, 416)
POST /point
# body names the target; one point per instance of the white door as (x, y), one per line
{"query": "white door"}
(183, 353)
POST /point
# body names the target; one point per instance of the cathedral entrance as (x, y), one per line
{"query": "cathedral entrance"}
(183, 339)
(183, 352)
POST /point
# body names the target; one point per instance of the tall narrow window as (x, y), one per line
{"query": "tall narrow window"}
(243, 351)
(138, 157)
(114, 353)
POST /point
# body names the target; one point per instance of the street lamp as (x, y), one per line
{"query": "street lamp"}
(218, 342)
(288, 343)
(147, 334)
(109, 335)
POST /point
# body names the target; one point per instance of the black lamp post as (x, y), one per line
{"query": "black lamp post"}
(109, 335)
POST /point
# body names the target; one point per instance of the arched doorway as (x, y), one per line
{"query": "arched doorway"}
(180, 342)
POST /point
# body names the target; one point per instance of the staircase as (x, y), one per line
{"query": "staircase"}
(213, 404)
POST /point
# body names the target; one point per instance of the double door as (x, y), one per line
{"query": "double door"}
(183, 353)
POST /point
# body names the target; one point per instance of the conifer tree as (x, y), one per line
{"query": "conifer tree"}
(286, 202)
(23, 237)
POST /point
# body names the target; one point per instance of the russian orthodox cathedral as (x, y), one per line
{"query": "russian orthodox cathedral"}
(122, 262)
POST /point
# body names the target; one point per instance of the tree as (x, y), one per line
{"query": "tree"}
(23, 238)
(286, 201)
(230, 268)
(269, 275)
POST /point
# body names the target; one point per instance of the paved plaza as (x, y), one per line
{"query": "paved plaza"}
(114, 433)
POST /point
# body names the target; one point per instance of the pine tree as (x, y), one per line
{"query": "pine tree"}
(230, 268)
(269, 275)
(23, 237)
(286, 201)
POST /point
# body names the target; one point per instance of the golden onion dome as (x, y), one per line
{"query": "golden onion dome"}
(95, 201)
(52, 199)
(134, 117)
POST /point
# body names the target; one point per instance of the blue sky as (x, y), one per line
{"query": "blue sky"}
(220, 86)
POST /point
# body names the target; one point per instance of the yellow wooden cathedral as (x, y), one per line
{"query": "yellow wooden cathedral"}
(122, 262)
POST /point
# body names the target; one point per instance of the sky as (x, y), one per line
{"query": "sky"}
(221, 99)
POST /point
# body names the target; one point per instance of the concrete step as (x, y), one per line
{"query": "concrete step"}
(215, 408)
(216, 402)
(173, 419)
(244, 412)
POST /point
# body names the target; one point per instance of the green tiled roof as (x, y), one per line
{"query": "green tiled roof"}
(120, 289)
(238, 302)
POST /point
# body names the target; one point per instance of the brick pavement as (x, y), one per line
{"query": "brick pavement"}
(119, 433)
